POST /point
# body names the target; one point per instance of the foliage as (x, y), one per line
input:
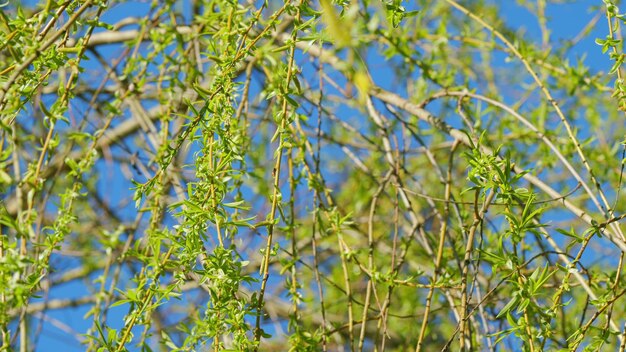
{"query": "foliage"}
(342, 175)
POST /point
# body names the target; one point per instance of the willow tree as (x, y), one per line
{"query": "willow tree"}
(336, 176)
